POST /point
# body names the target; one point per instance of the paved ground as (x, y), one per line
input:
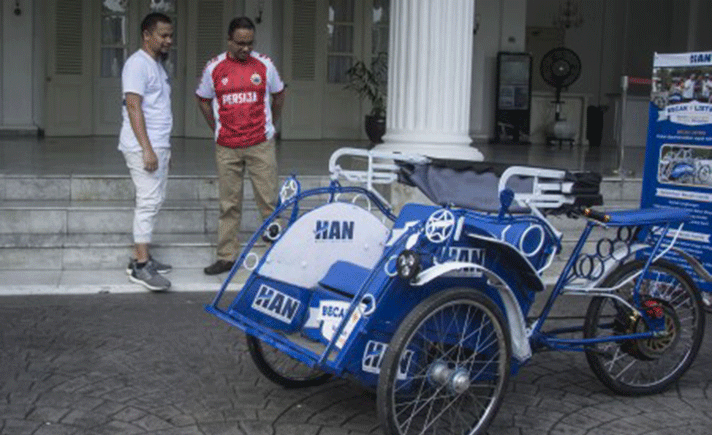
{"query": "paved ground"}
(157, 363)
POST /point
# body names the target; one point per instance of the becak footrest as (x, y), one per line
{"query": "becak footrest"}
(345, 277)
(273, 304)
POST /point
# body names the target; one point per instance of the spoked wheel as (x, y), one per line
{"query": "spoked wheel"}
(446, 368)
(645, 366)
(665, 169)
(282, 369)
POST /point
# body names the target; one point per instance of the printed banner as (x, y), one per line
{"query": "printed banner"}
(678, 156)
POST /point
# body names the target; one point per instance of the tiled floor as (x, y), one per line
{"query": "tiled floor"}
(98, 155)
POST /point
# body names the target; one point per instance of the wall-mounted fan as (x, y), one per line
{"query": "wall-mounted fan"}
(560, 68)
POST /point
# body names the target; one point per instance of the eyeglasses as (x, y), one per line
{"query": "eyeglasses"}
(241, 43)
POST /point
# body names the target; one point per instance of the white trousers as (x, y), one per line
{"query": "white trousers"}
(150, 191)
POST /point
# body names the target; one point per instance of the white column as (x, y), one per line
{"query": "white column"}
(429, 79)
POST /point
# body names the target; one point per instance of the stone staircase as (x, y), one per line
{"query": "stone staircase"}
(72, 233)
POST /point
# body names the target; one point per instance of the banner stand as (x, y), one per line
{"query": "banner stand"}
(678, 154)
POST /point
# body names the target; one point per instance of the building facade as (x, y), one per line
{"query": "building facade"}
(61, 59)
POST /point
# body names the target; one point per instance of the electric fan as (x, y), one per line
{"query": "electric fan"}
(560, 67)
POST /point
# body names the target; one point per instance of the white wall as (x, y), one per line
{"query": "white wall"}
(596, 42)
(513, 19)
(502, 28)
(2, 63)
(18, 67)
(620, 38)
(654, 25)
(485, 47)
(39, 62)
(268, 35)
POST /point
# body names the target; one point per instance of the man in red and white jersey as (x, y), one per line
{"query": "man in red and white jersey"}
(241, 97)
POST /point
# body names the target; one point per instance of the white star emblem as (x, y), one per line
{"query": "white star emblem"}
(439, 226)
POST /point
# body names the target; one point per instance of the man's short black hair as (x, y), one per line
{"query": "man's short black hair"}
(151, 20)
(239, 23)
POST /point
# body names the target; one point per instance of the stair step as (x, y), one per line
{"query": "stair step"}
(73, 217)
(103, 251)
(615, 189)
(119, 187)
(30, 282)
(72, 234)
(182, 187)
(69, 217)
(66, 234)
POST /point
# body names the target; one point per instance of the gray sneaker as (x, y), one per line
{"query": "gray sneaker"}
(149, 278)
(152, 262)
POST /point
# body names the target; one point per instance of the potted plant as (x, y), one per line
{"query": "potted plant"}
(369, 83)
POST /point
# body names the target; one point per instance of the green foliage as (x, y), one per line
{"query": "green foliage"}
(370, 82)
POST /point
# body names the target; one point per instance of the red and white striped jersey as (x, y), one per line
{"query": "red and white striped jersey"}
(241, 97)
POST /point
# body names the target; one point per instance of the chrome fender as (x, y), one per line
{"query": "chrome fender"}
(521, 348)
(696, 265)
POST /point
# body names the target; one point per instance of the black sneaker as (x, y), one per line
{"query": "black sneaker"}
(218, 267)
(153, 263)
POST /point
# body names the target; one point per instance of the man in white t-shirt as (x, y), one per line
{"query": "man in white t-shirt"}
(688, 88)
(145, 141)
(707, 89)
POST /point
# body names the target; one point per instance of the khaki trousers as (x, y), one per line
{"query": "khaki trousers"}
(261, 163)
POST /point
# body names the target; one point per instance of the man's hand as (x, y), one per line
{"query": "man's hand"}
(206, 109)
(277, 104)
(150, 160)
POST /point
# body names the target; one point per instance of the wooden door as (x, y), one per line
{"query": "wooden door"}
(207, 21)
(304, 67)
(68, 100)
(322, 39)
(119, 36)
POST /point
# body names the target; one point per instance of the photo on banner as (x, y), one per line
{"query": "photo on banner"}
(678, 156)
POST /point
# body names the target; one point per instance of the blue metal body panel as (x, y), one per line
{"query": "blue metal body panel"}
(648, 216)
(344, 323)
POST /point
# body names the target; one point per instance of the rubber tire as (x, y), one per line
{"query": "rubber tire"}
(596, 363)
(278, 377)
(411, 324)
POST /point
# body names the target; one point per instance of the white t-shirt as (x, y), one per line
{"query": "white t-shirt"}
(707, 88)
(146, 77)
(688, 89)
